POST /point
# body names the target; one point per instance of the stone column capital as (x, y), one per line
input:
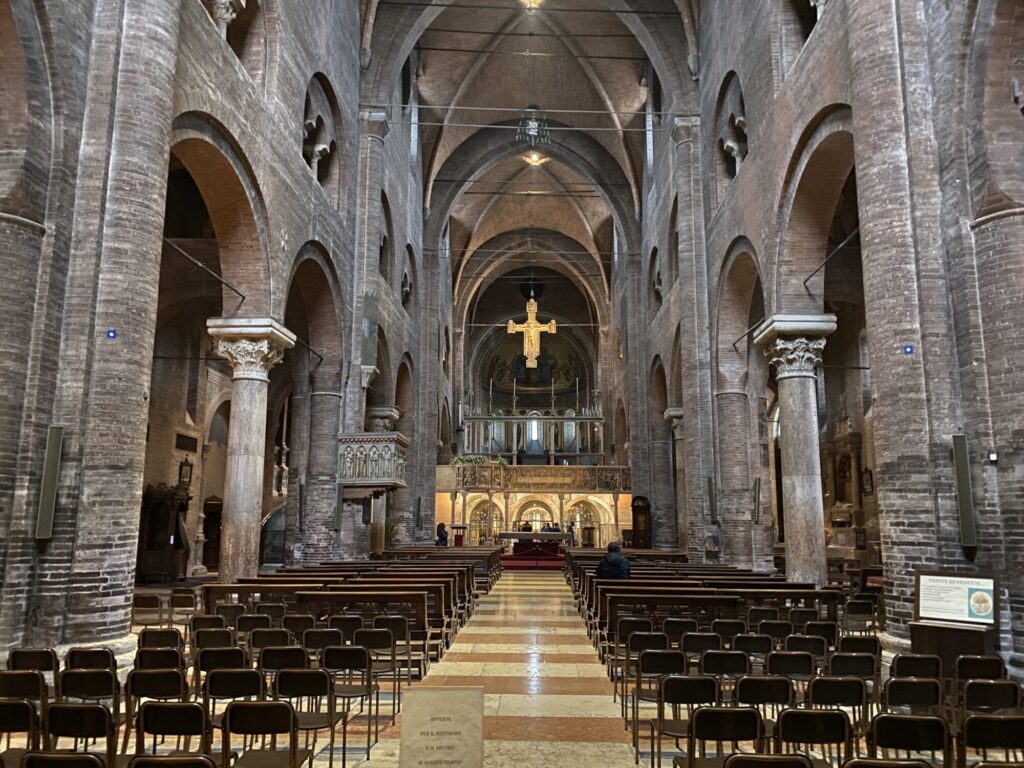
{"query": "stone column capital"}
(366, 373)
(795, 357)
(794, 343)
(253, 345)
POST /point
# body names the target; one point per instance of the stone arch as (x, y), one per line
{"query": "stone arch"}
(671, 259)
(314, 283)
(321, 129)
(390, 32)
(444, 434)
(408, 286)
(236, 209)
(378, 393)
(386, 254)
(675, 388)
(655, 282)
(994, 119)
(250, 31)
(405, 398)
(739, 282)
(796, 21)
(814, 182)
(25, 120)
(729, 133)
(489, 146)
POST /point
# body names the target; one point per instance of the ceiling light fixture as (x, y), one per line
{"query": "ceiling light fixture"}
(533, 127)
(534, 158)
(531, 5)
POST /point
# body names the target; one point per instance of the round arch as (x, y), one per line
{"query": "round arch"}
(815, 180)
(236, 209)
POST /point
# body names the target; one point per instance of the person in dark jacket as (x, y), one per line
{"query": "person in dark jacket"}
(442, 535)
(614, 564)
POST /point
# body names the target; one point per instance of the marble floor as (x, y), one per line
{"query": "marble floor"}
(547, 700)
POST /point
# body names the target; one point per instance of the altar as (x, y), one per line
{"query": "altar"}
(534, 536)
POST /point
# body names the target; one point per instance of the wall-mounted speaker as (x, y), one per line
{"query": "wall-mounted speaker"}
(964, 496)
(712, 501)
(48, 484)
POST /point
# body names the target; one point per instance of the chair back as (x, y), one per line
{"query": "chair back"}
(231, 657)
(676, 628)
(60, 760)
(913, 696)
(277, 657)
(916, 665)
(991, 697)
(767, 761)
(862, 665)
(79, 721)
(910, 734)
(265, 638)
(160, 637)
(170, 761)
(816, 646)
(755, 646)
(159, 658)
(877, 762)
(797, 730)
(19, 716)
(26, 684)
(275, 611)
(162, 684)
(724, 663)
(37, 659)
(723, 726)
(978, 668)
(250, 621)
(90, 658)
(800, 616)
(345, 660)
(764, 690)
(689, 690)
(399, 626)
(230, 613)
(792, 664)
(660, 662)
(761, 613)
(860, 644)
(94, 685)
(985, 734)
(259, 718)
(161, 719)
(375, 640)
(777, 630)
(213, 638)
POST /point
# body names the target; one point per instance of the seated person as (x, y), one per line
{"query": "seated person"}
(614, 564)
(526, 528)
(547, 528)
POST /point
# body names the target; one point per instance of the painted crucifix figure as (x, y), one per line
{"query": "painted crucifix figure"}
(531, 331)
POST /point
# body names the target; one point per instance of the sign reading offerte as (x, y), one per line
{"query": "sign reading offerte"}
(442, 728)
(957, 598)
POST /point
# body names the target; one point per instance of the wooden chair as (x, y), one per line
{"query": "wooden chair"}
(181, 720)
(767, 761)
(18, 716)
(768, 695)
(985, 734)
(677, 692)
(82, 723)
(720, 726)
(263, 719)
(311, 694)
(351, 668)
(911, 735)
(828, 732)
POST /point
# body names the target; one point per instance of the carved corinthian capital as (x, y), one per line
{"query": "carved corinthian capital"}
(252, 345)
(249, 358)
(795, 357)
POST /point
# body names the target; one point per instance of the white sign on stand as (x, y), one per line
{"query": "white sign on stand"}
(442, 728)
(957, 598)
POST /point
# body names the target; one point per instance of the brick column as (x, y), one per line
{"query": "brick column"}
(733, 410)
(698, 443)
(319, 538)
(906, 296)
(84, 577)
(794, 344)
(253, 346)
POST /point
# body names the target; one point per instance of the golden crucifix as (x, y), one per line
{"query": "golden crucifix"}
(531, 331)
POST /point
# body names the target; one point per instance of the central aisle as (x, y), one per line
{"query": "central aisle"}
(547, 698)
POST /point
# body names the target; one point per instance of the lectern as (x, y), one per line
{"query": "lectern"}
(956, 614)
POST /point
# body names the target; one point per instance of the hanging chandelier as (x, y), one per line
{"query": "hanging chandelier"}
(533, 127)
